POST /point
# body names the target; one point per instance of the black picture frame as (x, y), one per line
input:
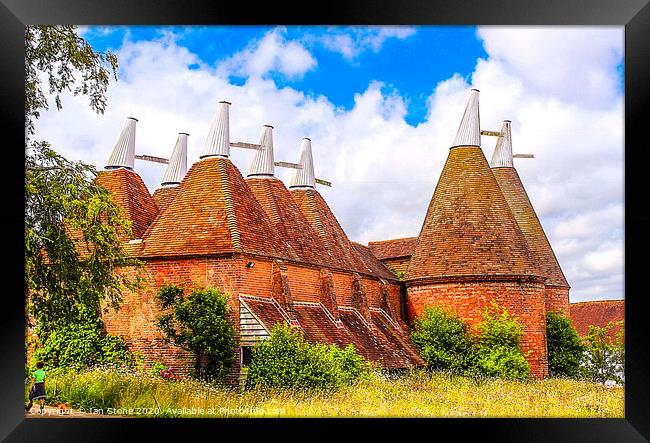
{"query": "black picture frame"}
(633, 14)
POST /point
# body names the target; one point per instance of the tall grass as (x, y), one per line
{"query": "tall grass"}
(414, 394)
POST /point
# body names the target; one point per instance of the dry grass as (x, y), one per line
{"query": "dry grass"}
(416, 394)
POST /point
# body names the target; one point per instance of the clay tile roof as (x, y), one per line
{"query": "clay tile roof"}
(596, 313)
(164, 196)
(129, 191)
(323, 221)
(374, 266)
(396, 248)
(214, 212)
(384, 343)
(289, 221)
(517, 198)
(267, 312)
(469, 228)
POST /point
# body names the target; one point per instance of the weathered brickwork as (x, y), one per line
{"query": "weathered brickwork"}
(287, 283)
(468, 299)
(557, 299)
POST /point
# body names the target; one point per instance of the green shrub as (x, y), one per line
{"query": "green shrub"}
(604, 359)
(443, 340)
(497, 352)
(78, 346)
(447, 344)
(565, 348)
(287, 360)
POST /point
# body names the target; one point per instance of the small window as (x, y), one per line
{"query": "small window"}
(246, 355)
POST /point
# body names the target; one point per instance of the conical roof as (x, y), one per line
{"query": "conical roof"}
(289, 221)
(129, 191)
(126, 186)
(469, 229)
(177, 167)
(123, 154)
(336, 242)
(522, 209)
(164, 196)
(214, 212)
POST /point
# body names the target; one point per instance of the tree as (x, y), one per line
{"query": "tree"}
(565, 348)
(61, 54)
(443, 339)
(72, 227)
(604, 358)
(199, 323)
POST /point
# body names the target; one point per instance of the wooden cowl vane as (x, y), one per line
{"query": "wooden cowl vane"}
(125, 185)
(174, 174)
(217, 144)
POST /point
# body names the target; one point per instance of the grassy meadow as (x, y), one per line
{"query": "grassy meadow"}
(413, 394)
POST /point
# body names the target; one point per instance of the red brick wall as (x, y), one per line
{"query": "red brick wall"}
(304, 283)
(557, 299)
(136, 318)
(525, 300)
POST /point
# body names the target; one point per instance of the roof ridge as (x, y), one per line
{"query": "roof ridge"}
(392, 240)
(230, 207)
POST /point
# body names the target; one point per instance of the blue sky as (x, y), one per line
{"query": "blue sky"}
(431, 54)
(382, 105)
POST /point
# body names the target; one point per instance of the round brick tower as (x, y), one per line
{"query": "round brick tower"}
(557, 287)
(471, 250)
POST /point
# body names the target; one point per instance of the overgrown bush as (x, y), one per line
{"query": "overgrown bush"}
(79, 346)
(443, 340)
(565, 347)
(447, 343)
(199, 323)
(287, 360)
(604, 359)
(497, 350)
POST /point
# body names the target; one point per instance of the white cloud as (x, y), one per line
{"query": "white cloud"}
(383, 170)
(350, 42)
(270, 53)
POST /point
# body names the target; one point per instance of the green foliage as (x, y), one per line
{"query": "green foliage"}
(565, 348)
(72, 226)
(604, 359)
(287, 360)
(443, 340)
(199, 323)
(72, 243)
(60, 55)
(446, 343)
(497, 350)
(83, 345)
